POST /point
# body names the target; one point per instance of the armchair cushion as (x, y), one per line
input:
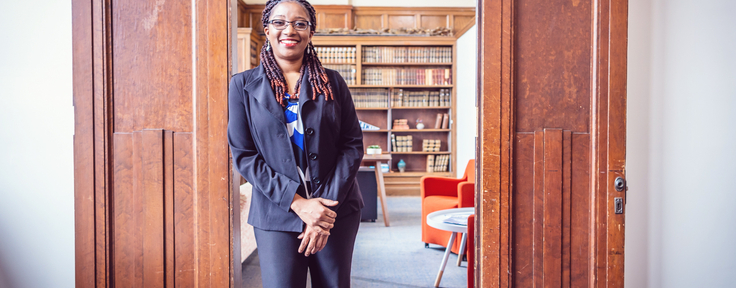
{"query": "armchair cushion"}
(432, 235)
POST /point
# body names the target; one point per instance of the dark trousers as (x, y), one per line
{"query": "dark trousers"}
(282, 266)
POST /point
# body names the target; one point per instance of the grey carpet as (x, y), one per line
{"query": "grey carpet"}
(391, 257)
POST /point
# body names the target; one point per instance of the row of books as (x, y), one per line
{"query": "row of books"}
(370, 97)
(402, 98)
(407, 54)
(442, 121)
(346, 71)
(401, 143)
(400, 124)
(407, 76)
(438, 163)
(336, 54)
(431, 145)
(253, 54)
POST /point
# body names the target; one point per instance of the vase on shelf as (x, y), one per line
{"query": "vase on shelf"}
(401, 165)
(420, 125)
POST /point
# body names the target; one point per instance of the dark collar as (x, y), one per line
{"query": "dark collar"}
(260, 89)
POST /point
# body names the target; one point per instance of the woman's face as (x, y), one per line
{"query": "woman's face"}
(290, 43)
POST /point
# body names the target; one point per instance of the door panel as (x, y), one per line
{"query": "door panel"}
(550, 209)
(552, 135)
(151, 80)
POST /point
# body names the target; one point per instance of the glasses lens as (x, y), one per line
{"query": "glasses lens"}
(278, 24)
(301, 25)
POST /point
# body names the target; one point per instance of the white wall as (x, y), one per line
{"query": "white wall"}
(36, 156)
(465, 111)
(681, 220)
(638, 145)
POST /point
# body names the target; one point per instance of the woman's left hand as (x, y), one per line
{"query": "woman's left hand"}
(314, 239)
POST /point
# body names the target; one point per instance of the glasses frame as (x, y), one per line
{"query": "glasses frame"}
(309, 24)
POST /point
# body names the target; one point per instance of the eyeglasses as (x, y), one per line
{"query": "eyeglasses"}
(299, 25)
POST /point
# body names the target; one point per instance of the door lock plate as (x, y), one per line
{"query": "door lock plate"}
(619, 205)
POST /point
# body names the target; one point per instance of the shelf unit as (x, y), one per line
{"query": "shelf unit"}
(406, 183)
(249, 49)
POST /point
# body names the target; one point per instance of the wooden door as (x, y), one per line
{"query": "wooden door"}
(552, 86)
(152, 184)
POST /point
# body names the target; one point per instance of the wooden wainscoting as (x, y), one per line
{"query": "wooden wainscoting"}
(460, 19)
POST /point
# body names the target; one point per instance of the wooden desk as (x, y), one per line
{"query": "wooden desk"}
(376, 160)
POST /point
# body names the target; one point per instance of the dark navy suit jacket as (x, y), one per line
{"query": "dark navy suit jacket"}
(263, 155)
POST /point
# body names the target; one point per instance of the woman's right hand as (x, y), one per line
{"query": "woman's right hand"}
(314, 212)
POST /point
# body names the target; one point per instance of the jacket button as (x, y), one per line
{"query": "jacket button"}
(310, 131)
(315, 180)
(312, 156)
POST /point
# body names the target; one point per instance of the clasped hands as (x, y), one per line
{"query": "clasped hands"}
(318, 219)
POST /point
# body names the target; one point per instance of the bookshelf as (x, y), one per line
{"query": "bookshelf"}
(400, 77)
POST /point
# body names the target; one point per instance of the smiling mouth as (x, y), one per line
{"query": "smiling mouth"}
(289, 43)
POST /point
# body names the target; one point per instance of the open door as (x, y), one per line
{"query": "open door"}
(150, 147)
(552, 143)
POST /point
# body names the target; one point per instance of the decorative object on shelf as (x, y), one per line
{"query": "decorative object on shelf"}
(373, 149)
(401, 165)
(366, 126)
(420, 125)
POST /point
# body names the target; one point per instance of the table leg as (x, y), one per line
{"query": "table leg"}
(382, 192)
(462, 249)
(444, 259)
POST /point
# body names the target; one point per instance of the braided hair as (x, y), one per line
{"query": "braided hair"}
(317, 75)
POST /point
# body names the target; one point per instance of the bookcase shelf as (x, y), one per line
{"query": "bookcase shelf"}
(374, 109)
(375, 101)
(375, 131)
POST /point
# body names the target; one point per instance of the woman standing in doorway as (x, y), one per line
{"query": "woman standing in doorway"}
(295, 137)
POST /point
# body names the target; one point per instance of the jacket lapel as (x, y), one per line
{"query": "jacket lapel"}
(306, 90)
(311, 110)
(260, 89)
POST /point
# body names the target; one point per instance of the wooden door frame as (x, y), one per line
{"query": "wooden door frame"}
(494, 149)
(93, 82)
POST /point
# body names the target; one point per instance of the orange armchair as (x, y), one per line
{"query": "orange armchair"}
(439, 193)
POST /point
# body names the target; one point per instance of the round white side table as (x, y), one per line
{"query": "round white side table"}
(437, 220)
